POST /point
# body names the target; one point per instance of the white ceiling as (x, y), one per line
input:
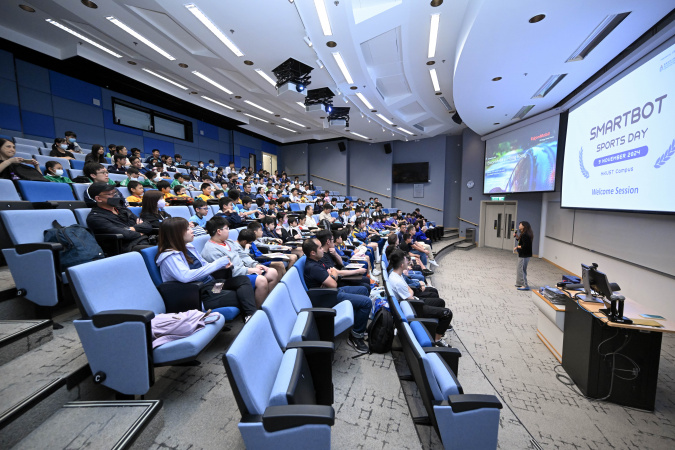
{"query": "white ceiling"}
(383, 42)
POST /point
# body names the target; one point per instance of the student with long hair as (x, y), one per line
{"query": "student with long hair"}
(524, 250)
(152, 210)
(55, 173)
(97, 155)
(60, 149)
(178, 260)
(15, 167)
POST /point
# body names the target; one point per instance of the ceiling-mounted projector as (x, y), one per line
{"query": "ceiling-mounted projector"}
(339, 116)
(292, 76)
(320, 100)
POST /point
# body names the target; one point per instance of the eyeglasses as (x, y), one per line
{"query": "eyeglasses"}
(203, 207)
(104, 172)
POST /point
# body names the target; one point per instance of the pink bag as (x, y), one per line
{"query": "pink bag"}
(170, 327)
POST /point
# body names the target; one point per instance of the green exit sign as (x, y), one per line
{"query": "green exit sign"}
(498, 199)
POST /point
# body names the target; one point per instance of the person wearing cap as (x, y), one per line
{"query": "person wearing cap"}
(111, 216)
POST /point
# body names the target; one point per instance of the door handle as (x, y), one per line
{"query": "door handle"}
(495, 224)
(499, 225)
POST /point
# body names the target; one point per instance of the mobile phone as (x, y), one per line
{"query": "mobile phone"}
(217, 288)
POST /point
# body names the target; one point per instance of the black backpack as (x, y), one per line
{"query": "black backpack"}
(79, 245)
(381, 331)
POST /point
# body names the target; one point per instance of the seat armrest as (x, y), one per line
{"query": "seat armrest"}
(325, 322)
(429, 323)
(49, 204)
(180, 297)
(115, 317)
(22, 249)
(277, 418)
(448, 354)
(319, 356)
(312, 347)
(470, 402)
(416, 305)
(323, 297)
(109, 236)
(322, 311)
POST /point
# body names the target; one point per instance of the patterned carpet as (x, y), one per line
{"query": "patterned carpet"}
(495, 325)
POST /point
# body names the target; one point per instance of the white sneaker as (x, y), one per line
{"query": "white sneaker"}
(433, 261)
(376, 272)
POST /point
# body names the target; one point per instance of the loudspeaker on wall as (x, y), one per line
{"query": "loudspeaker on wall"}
(342, 146)
(457, 119)
(387, 148)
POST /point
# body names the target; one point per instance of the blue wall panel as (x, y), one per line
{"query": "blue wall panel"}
(224, 135)
(211, 145)
(32, 76)
(249, 141)
(7, 65)
(268, 147)
(205, 155)
(9, 117)
(165, 147)
(108, 124)
(85, 132)
(207, 130)
(188, 153)
(35, 101)
(224, 160)
(244, 151)
(119, 138)
(38, 124)
(73, 89)
(107, 95)
(237, 162)
(8, 92)
(78, 112)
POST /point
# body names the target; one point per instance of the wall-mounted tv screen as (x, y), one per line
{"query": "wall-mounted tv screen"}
(522, 160)
(620, 150)
(410, 172)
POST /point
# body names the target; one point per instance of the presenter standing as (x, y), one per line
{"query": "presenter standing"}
(524, 250)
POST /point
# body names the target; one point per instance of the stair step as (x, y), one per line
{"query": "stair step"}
(450, 235)
(465, 245)
(102, 424)
(455, 241)
(20, 336)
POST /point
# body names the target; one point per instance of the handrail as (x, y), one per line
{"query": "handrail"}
(328, 179)
(464, 220)
(420, 204)
(368, 190)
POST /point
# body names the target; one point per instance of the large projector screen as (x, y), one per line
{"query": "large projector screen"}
(620, 149)
(522, 160)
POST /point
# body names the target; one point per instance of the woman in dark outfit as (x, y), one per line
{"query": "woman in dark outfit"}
(524, 250)
(152, 211)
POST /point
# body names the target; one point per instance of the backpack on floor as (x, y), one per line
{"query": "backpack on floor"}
(381, 329)
(79, 245)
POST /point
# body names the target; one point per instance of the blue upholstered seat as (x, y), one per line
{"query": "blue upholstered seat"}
(8, 191)
(42, 159)
(24, 141)
(115, 328)
(178, 211)
(39, 191)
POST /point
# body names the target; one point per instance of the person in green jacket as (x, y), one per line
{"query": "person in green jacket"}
(55, 172)
(135, 175)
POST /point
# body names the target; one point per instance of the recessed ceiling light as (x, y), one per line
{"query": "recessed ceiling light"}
(210, 81)
(433, 34)
(331, 44)
(194, 92)
(257, 118)
(266, 77)
(319, 63)
(385, 119)
(183, 65)
(27, 8)
(237, 97)
(258, 106)
(162, 77)
(496, 78)
(434, 80)
(490, 107)
(436, 3)
(537, 18)
(404, 130)
(323, 17)
(140, 37)
(307, 40)
(133, 63)
(277, 115)
(431, 63)
(343, 67)
(84, 38)
(217, 102)
(300, 104)
(213, 28)
(364, 100)
(522, 112)
(248, 63)
(359, 135)
(549, 85)
(353, 88)
(89, 4)
(293, 122)
(600, 32)
(496, 123)
(287, 129)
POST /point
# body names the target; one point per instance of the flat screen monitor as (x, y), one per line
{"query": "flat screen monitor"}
(523, 160)
(620, 145)
(595, 281)
(410, 172)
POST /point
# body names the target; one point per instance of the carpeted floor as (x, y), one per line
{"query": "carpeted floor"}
(495, 325)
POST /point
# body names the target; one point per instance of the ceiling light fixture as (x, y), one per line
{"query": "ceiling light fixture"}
(140, 37)
(213, 28)
(307, 41)
(85, 39)
(433, 34)
(217, 102)
(293, 122)
(385, 119)
(435, 3)
(287, 129)
(27, 8)
(549, 85)
(323, 17)
(522, 112)
(597, 35)
(319, 63)
(89, 4)
(364, 100)
(266, 77)
(256, 118)
(258, 106)
(162, 77)
(538, 18)
(300, 104)
(343, 67)
(404, 130)
(446, 104)
(496, 78)
(434, 80)
(210, 81)
(360, 135)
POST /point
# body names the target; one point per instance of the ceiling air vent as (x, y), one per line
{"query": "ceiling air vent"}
(522, 112)
(446, 104)
(601, 32)
(419, 127)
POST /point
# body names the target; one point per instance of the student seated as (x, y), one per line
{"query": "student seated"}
(136, 190)
(133, 174)
(246, 210)
(152, 211)
(269, 225)
(408, 246)
(97, 155)
(290, 231)
(227, 211)
(180, 194)
(318, 275)
(262, 244)
(309, 219)
(71, 140)
(60, 149)
(110, 216)
(218, 194)
(16, 168)
(165, 188)
(201, 211)
(206, 193)
(326, 216)
(219, 245)
(331, 258)
(122, 150)
(54, 173)
(178, 260)
(433, 307)
(119, 166)
(92, 173)
(153, 158)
